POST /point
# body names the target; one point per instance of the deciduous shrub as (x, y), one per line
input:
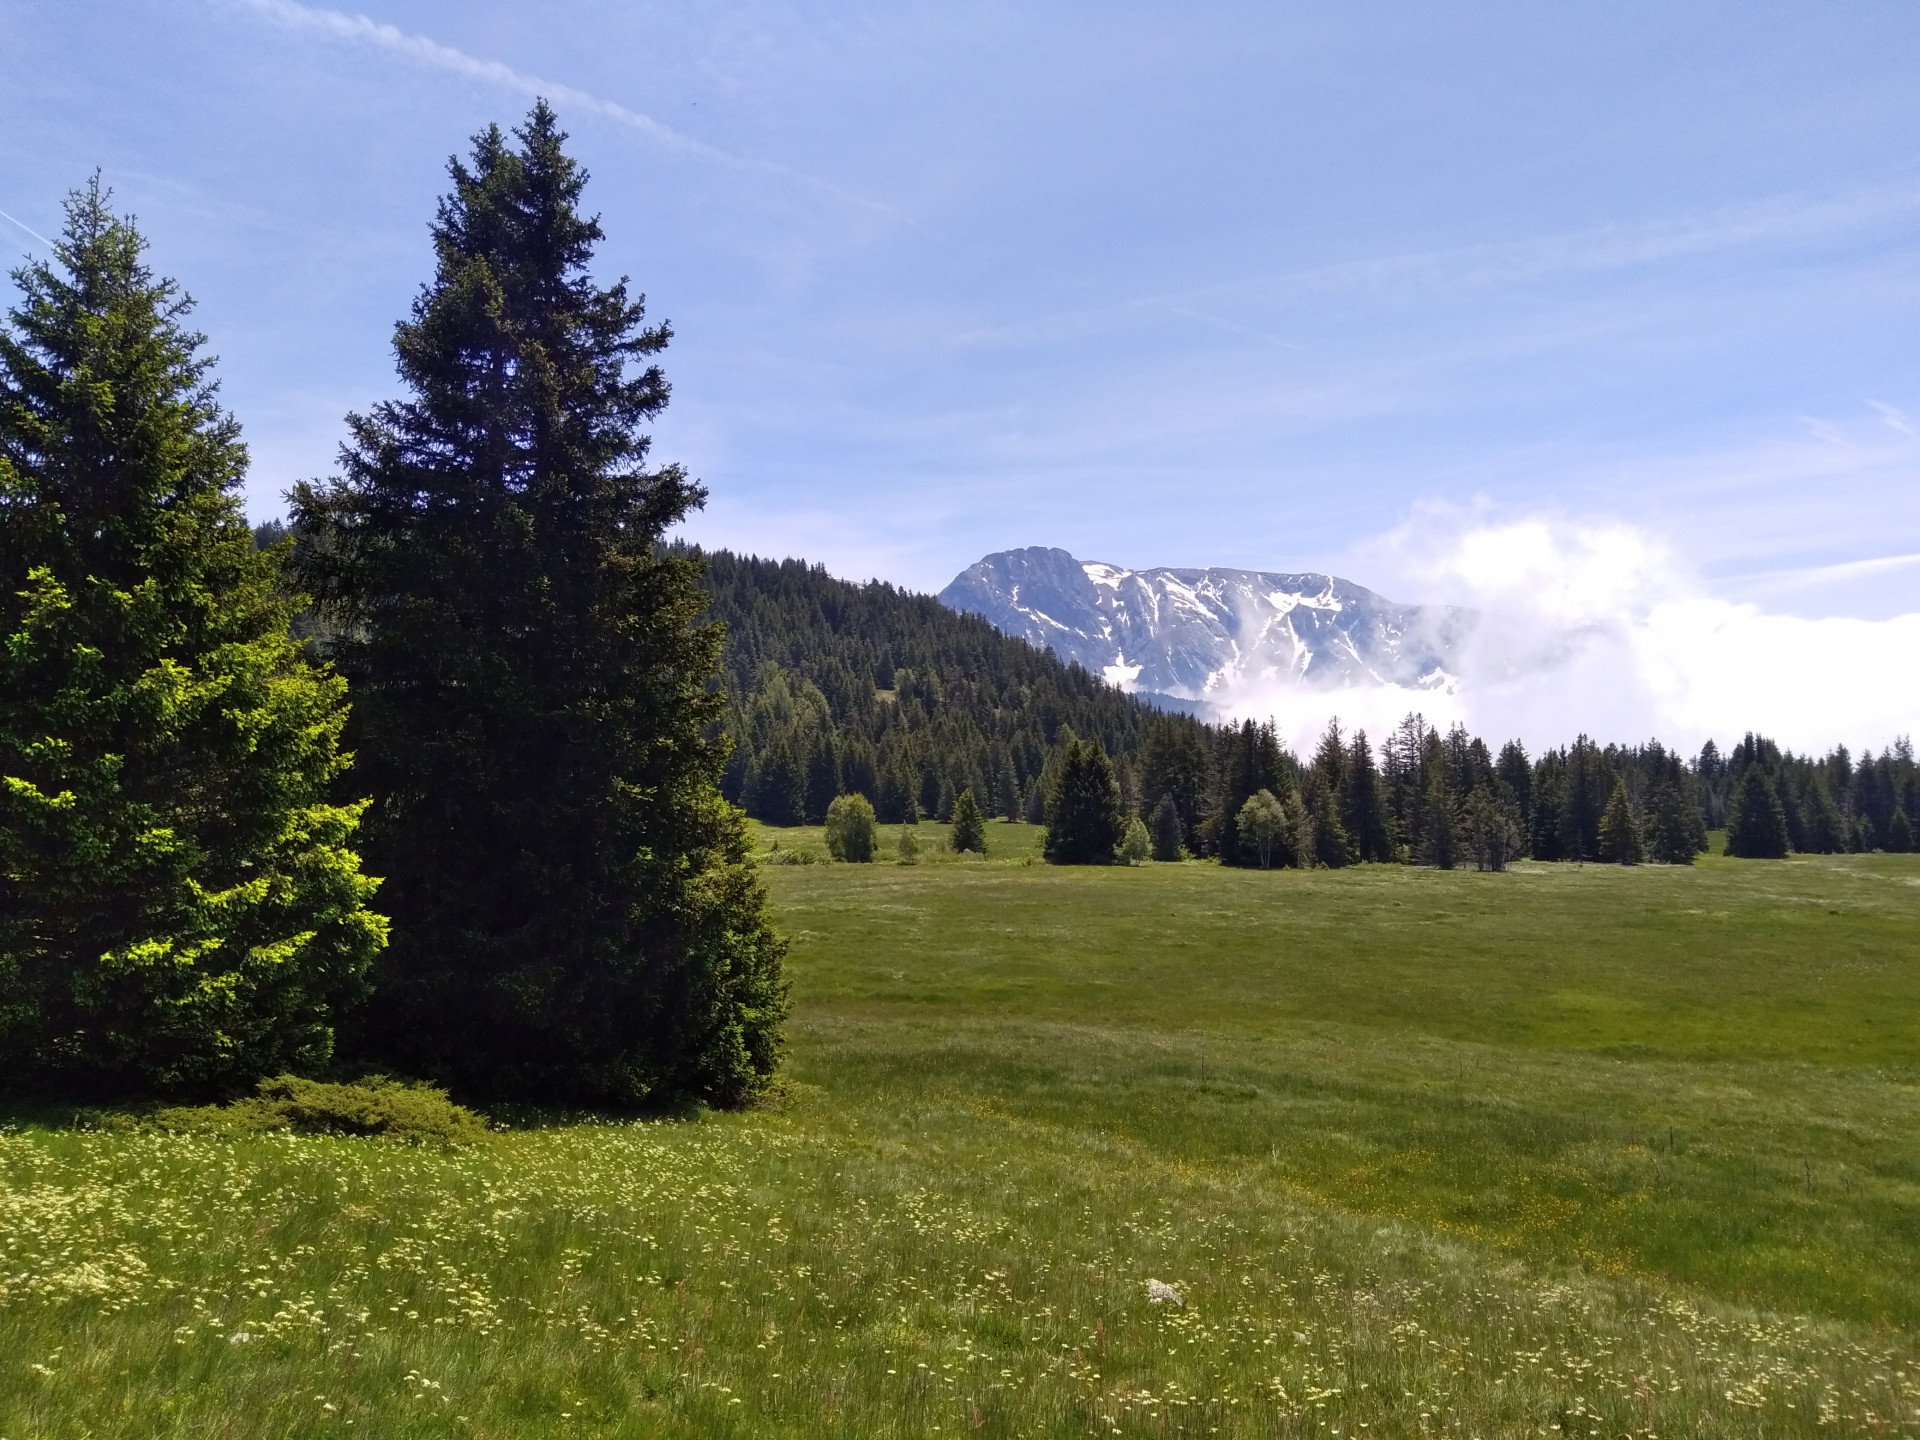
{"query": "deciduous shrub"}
(851, 833)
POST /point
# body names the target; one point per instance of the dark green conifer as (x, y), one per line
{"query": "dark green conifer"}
(575, 913)
(1899, 832)
(1006, 785)
(1084, 821)
(1619, 839)
(969, 828)
(1440, 824)
(1826, 831)
(1515, 771)
(1362, 811)
(1166, 831)
(179, 908)
(1756, 822)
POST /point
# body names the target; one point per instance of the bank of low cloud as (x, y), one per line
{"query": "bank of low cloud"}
(1600, 629)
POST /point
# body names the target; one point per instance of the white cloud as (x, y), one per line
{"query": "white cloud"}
(1600, 628)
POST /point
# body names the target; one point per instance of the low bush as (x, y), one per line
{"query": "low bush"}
(376, 1105)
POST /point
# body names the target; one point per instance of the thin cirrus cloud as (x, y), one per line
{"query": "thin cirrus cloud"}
(421, 49)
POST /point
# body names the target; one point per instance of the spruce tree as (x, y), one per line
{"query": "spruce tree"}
(1756, 823)
(1619, 839)
(1675, 830)
(1167, 836)
(969, 828)
(1084, 824)
(1439, 827)
(179, 905)
(1899, 832)
(1361, 811)
(1515, 771)
(575, 914)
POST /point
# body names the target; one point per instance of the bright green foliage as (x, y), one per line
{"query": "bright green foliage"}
(1167, 838)
(1249, 760)
(969, 827)
(851, 831)
(1084, 824)
(179, 908)
(1262, 827)
(1137, 845)
(1620, 842)
(376, 1105)
(1490, 827)
(909, 847)
(1756, 823)
(575, 916)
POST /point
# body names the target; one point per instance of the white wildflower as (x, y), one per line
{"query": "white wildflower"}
(242, 1337)
(1158, 1291)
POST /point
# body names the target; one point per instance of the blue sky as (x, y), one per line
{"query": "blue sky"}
(1272, 286)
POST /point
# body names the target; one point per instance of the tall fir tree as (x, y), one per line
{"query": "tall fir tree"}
(180, 908)
(969, 826)
(1620, 841)
(1515, 772)
(1899, 838)
(1756, 821)
(575, 914)
(1168, 837)
(1362, 810)
(1084, 820)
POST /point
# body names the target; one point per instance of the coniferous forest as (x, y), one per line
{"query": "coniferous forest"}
(451, 776)
(840, 688)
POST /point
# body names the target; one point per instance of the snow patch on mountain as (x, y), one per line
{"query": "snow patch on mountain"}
(1210, 636)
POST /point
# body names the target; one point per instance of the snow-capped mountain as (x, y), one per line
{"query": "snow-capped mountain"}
(1200, 636)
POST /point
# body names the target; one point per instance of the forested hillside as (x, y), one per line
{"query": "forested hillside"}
(839, 687)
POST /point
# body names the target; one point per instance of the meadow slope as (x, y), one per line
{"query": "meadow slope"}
(1566, 1151)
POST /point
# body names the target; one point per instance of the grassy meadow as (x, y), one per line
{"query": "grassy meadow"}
(1564, 1151)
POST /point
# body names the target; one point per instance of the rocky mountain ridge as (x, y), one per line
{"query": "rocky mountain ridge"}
(1196, 636)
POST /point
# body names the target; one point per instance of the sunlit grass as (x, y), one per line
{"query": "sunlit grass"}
(1561, 1153)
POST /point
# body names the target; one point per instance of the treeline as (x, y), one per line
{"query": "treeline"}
(1826, 806)
(1449, 800)
(837, 688)
(1421, 797)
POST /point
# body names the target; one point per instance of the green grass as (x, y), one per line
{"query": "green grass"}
(1567, 1151)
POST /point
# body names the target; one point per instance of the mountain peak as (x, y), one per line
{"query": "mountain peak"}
(1199, 635)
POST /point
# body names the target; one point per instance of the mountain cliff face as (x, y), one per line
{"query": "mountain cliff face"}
(1198, 635)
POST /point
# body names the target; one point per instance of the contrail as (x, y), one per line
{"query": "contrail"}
(28, 228)
(363, 30)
